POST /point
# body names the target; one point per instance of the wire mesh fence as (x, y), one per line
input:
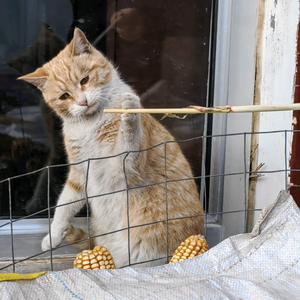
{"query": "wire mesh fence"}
(10, 224)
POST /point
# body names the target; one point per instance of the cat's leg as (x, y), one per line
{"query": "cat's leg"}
(66, 210)
(130, 132)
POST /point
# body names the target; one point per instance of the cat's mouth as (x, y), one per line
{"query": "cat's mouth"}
(90, 109)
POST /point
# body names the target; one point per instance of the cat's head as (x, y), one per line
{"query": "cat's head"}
(72, 83)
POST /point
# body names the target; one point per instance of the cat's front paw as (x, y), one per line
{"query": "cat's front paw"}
(129, 101)
(56, 239)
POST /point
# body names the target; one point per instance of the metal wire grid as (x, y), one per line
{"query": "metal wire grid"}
(244, 172)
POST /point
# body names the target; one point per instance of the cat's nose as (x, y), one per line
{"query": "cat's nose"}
(83, 102)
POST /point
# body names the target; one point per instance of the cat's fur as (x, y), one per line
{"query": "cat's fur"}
(89, 133)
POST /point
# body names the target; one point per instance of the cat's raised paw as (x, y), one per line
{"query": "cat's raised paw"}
(130, 101)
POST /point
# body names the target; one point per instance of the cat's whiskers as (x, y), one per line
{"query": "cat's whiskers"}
(106, 101)
(72, 118)
(102, 98)
(80, 119)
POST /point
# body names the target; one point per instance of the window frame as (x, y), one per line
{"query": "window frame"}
(234, 85)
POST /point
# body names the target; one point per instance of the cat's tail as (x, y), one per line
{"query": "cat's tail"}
(76, 234)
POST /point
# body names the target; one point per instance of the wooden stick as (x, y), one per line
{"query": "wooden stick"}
(199, 109)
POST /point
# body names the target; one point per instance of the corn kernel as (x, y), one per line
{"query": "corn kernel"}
(87, 267)
(193, 243)
(94, 265)
(93, 261)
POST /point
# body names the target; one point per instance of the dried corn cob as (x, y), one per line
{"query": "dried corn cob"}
(97, 259)
(191, 247)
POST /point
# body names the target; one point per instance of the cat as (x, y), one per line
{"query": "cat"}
(78, 84)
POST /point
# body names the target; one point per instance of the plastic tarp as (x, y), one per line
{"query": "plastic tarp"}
(263, 264)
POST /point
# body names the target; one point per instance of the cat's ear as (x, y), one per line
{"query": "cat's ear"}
(37, 78)
(80, 43)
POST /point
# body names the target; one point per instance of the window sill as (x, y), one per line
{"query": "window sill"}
(28, 235)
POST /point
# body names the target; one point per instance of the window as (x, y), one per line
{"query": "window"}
(162, 49)
(234, 85)
(197, 52)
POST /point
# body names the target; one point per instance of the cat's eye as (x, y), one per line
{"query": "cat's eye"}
(84, 80)
(64, 96)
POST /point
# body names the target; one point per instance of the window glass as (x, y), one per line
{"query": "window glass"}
(160, 48)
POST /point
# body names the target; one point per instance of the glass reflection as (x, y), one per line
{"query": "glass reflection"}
(160, 48)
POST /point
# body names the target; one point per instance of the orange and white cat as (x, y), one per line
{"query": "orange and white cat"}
(78, 84)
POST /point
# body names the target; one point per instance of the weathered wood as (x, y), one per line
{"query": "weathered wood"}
(38, 265)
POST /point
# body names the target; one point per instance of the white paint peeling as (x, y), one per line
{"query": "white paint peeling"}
(277, 87)
(237, 48)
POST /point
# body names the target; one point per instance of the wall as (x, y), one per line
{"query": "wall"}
(255, 64)
(278, 61)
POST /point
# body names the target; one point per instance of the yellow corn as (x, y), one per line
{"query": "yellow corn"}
(97, 259)
(191, 247)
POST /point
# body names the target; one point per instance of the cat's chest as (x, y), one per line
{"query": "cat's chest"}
(93, 141)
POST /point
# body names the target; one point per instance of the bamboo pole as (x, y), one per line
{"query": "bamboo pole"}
(200, 109)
